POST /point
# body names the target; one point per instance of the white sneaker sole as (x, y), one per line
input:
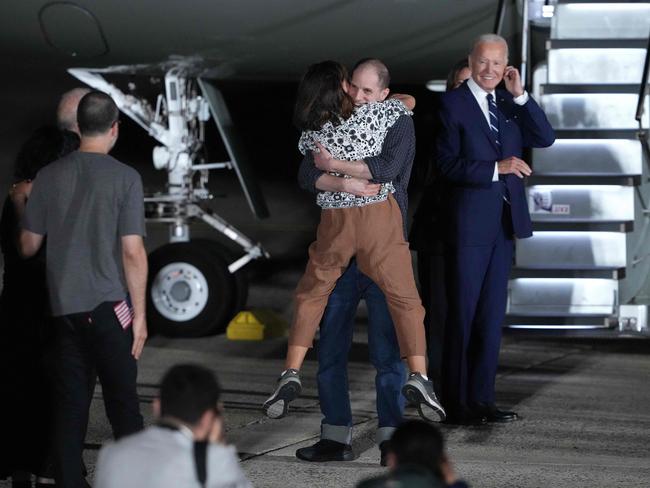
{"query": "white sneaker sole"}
(277, 405)
(428, 409)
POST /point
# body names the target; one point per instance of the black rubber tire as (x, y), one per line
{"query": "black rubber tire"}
(239, 279)
(218, 309)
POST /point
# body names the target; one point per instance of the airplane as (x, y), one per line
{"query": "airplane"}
(262, 47)
(189, 48)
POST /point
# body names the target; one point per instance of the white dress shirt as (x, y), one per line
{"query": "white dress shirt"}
(481, 98)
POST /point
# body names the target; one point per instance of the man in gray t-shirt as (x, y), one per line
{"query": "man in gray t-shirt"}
(85, 203)
(90, 207)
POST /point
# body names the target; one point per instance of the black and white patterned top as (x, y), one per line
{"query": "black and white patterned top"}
(361, 136)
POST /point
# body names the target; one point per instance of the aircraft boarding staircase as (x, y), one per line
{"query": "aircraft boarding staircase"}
(587, 266)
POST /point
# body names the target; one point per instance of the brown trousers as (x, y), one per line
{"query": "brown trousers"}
(374, 235)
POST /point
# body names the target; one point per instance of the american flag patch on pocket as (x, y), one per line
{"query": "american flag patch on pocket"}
(124, 313)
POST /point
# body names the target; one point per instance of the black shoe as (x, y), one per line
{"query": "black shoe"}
(45, 483)
(326, 450)
(21, 483)
(493, 414)
(466, 419)
(383, 449)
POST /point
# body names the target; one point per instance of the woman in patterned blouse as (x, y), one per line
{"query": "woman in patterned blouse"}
(368, 228)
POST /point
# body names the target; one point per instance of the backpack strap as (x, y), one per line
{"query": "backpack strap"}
(200, 452)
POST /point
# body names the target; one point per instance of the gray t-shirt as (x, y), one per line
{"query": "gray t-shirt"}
(163, 458)
(84, 203)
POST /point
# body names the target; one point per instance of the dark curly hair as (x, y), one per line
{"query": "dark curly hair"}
(321, 98)
(45, 145)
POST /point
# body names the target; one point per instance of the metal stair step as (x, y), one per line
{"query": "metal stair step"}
(558, 225)
(581, 203)
(591, 328)
(606, 273)
(583, 179)
(572, 250)
(564, 2)
(632, 134)
(591, 65)
(593, 111)
(573, 325)
(567, 323)
(560, 310)
(596, 43)
(589, 157)
(566, 88)
(562, 297)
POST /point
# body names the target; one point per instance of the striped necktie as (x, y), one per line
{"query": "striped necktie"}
(494, 126)
(494, 120)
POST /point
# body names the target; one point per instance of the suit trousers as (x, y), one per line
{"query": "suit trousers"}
(431, 274)
(477, 296)
(88, 344)
(374, 234)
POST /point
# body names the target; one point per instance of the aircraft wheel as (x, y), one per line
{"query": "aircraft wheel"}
(190, 291)
(238, 280)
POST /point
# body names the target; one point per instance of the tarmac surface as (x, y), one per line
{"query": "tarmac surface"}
(584, 403)
(584, 406)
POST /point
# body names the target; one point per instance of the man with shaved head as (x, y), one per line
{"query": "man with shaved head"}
(369, 83)
(484, 130)
(66, 112)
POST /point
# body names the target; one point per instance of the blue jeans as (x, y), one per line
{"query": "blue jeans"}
(335, 341)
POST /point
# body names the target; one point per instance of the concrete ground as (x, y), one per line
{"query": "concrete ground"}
(584, 407)
(585, 404)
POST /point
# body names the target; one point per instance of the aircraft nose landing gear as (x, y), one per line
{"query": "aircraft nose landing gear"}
(195, 286)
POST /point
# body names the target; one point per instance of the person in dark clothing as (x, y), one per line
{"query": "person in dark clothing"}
(426, 239)
(459, 73)
(484, 131)
(90, 207)
(26, 332)
(417, 458)
(369, 84)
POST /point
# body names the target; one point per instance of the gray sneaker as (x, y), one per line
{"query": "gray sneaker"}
(419, 391)
(288, 389)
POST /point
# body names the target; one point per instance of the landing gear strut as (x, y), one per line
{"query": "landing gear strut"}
(195, 286)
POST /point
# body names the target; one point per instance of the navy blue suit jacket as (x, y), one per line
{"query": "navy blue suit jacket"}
(466, 152)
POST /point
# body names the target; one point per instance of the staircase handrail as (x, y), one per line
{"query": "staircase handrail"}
(643, 88)
(498, 21)
(498, 29)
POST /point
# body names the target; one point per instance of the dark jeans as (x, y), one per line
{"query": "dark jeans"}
(88, 343)
(335, 341)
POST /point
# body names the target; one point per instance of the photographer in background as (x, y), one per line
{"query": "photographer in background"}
(184, 448)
